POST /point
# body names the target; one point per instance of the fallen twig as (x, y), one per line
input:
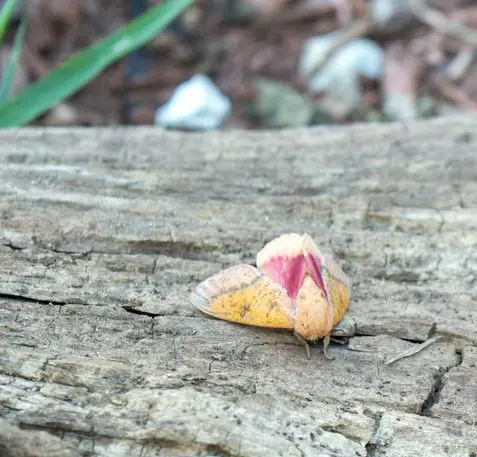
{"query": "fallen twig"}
(460, 63)
(442, 23)
(413, 350)
(356, 30)
(449, 90)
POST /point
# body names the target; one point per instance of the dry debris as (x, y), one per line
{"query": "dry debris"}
(428, 47)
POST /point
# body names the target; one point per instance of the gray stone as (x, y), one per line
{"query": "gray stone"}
(278, 105)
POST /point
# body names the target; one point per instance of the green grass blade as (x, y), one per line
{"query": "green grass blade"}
(7, 77)
(73, 74)
(5, 15)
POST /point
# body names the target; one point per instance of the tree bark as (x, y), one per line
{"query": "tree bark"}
(104, 233)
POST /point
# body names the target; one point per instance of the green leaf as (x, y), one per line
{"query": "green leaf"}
(5, 15)
(73, 74)
(7, 77)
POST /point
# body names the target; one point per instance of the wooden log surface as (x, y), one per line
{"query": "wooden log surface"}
(104, 233)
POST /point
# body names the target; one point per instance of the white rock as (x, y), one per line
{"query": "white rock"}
(339, 77)
(400, 106)
(62, 114)
(196, 104)
(384, 11)
(391, 16)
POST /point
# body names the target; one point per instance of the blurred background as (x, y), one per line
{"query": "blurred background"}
(252, 64)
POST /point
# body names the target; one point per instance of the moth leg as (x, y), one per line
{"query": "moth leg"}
(346, 327)
(338, 340)
(326, 343)
(303, 342)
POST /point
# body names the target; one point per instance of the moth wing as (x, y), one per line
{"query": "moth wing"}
(244, 295)
(338, 286)
(282, 260)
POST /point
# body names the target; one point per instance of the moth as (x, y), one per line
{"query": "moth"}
(294, 287)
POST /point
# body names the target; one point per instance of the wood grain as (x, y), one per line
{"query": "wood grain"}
(104, 232)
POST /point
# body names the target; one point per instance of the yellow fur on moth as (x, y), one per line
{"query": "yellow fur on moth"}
(294, 287)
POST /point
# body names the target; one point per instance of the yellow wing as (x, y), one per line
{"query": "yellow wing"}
(244, 295)
(338, 286)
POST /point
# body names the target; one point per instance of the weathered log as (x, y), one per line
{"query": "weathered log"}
(104, 232)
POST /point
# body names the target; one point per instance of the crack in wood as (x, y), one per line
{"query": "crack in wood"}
(13, 247)
(339, 429)
(443, 221)
(434, 394)
(132, 310)
(24, 298)
(214, 450)
(373, 445)
(358, 332)
(174, 249)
